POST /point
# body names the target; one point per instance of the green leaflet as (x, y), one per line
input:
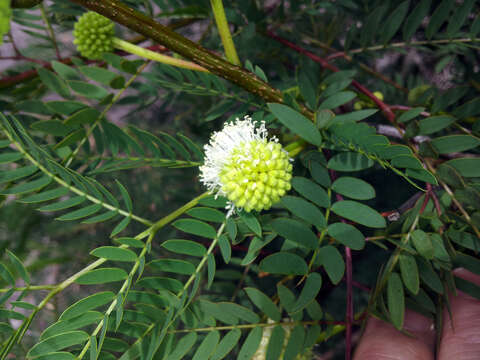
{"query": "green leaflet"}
(359, 213)
(296, 122)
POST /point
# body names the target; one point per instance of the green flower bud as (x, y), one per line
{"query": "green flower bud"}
(94, 35)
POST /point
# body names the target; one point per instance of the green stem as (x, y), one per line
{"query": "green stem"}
(50, 31)
(138, 22)
(172, 216)
(125, 286)
(413, 43)
(152, 55)
(224, 31)
(29, 288)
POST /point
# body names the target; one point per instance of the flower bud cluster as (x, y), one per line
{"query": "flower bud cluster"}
(94, 35)
(257, 176)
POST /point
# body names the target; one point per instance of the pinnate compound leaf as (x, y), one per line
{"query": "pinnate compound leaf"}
(102, 276)
(57, 342)
(195, 227)
(284, 263)
(264, 303)
(360, 213)
(396, 300)
(297, 123)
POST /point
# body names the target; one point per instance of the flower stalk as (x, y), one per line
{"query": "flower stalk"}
(224, 31)
(152, 55)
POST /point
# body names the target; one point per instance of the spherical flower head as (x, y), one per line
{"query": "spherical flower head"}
(243, 165)
(94, 35)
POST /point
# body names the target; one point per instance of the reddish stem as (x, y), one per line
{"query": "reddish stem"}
(381, 105)
(361, 286)
(349, 282)
(21, 57)
(349, 315)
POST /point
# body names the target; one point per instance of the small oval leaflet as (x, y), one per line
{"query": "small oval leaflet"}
(311, 191)
(296, 122)
(347, 234)
(295, 231)
(396, 300)
(114, 253)
(284, 263)
(359, 213)
(353, 188)
(305, 210)
(89, 303)
(102, 276)
(349, 161)
(58, 342)
(185, 247)
(264, 303)
(333, 263)
(195, 227)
